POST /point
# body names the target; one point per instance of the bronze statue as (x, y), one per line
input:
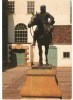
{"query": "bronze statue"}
(43, 31)
(48, 26)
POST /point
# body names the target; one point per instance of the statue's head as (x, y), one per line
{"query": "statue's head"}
(43, 9)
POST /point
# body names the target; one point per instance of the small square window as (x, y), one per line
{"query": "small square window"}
(11, 7)
(66, 54)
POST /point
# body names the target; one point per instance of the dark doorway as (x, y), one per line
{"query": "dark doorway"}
(18, 57)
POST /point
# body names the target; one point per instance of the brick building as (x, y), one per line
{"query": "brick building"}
(20, 50)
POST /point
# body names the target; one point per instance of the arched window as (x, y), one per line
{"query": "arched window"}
(21, 33)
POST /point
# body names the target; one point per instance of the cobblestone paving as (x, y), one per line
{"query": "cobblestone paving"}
(13, 80)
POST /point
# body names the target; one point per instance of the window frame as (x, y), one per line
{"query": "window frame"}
(11, 10)
(21, 33)
(30, 7)
(66, 55)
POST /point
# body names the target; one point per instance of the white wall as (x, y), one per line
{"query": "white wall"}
(64, 61)
(61, 62)
(13, 20)
(10, 29)
(60, 9)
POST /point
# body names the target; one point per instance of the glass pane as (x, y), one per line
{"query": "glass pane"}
(68, 54)
(20, 33)
(64, 54)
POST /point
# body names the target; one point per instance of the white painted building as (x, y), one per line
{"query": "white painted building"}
(19, 14)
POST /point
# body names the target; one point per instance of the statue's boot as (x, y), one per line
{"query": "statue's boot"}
(40, 64)
(48, 65)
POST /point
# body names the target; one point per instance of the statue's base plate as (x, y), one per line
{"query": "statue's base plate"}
(41, 83)
(42, 67)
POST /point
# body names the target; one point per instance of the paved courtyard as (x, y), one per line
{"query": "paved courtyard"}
(14, 79)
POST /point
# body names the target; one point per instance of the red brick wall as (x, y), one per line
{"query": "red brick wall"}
(62, 34)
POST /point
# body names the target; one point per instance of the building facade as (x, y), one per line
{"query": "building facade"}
(20, 49)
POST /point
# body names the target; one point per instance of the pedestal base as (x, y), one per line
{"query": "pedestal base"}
(42, 67)
(41, 83)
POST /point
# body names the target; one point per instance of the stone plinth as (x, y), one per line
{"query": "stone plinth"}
(41, 83)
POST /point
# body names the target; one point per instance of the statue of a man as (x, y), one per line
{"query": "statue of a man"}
(47, 20)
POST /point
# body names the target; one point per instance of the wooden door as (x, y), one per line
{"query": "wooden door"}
(52, 55)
